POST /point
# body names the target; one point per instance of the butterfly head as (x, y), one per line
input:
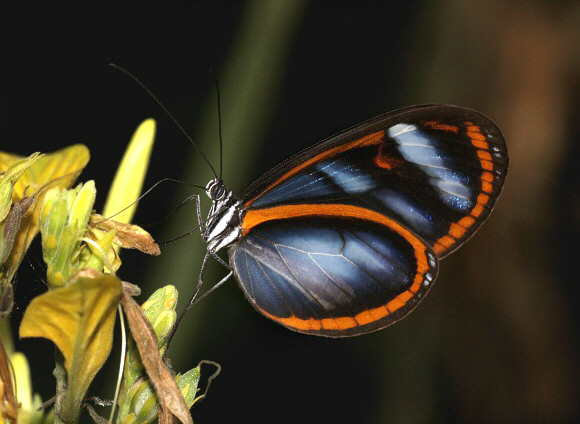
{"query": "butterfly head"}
(216, 190)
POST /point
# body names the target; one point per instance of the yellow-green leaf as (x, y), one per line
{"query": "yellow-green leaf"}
(79, 319)
(28, 411)
(58, 169)
(63, 165)
(130, 175)
(64, 217)
(103, 256)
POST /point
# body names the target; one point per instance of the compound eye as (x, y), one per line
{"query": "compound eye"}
(217, 192)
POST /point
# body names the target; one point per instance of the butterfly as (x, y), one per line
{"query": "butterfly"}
(345, 237)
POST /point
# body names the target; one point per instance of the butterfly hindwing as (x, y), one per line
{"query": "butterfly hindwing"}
(329, 272)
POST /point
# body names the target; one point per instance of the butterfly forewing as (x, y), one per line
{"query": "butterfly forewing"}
(435, 169)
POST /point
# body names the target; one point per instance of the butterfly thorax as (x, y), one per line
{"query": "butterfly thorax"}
(222, 226)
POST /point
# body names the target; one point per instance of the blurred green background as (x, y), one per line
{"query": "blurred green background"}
(497, 338)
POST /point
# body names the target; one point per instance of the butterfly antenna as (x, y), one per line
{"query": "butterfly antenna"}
(219, 110)
(162, 106)
(146, 192)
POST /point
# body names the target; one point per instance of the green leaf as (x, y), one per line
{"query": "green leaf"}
(188, 383)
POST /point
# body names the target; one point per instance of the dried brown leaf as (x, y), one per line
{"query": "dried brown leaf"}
(171, 400)
(12, 224)
(126, 235)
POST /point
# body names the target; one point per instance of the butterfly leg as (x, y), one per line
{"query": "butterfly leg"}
(220, 260)
(199, 282)
(214, 255)
(200, 221)
(215, 286)
(192, 300)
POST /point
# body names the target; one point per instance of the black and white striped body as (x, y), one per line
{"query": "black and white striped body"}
(223, 223)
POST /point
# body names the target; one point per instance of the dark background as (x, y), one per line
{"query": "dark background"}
(497, 338)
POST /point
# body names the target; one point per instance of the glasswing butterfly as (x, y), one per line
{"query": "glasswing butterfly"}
(345, 237)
